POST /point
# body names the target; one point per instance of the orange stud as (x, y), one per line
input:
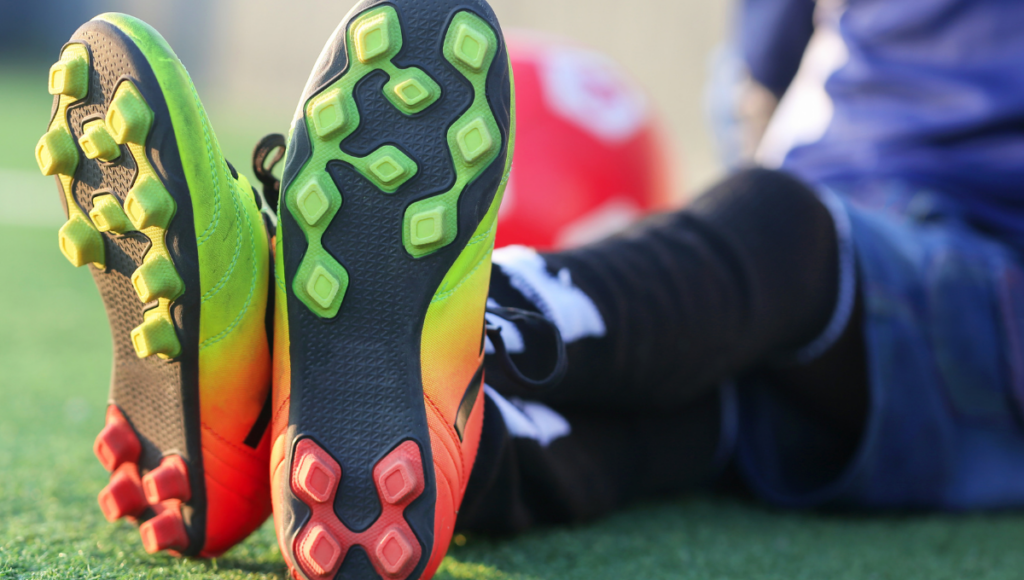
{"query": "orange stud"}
(165, 531)
(123, 495)
(116, 444)
(168, 481)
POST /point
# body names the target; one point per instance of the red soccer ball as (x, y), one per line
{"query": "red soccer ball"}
(590, 158)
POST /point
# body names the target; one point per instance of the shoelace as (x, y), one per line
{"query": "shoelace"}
(505, 363)
(264, 172)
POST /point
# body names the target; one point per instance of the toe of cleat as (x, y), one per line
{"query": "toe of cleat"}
(123, 496)
(108, 216)
(97, 143)
(156, 335)
(165, 531)
(56, 152)
(168, 481)
(70, 77)
(475, 141)
(148, 204)
(129, 117)
(328, 113)
(80, 243)
(157, 278)
(470, 46)
(373, 36)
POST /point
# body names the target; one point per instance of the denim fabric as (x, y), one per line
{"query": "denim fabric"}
(944, 330)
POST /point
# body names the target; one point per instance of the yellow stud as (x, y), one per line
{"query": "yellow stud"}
(148, 204)
(155, 335)
(108, 216)
(312, 203)
(129, 117)
(411, 92)
(157, 278)
(322, 286)
(426, 227)
(80, 243)
(474, 140)
(96, 142)
(328, 113)
(386, 169)
(371, 37)
(56, 152)
(470, 47)
(70, 77)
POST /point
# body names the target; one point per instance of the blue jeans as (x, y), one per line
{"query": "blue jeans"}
(944, 333)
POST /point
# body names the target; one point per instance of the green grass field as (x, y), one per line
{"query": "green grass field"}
(54, 369)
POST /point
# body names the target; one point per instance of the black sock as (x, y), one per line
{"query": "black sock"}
(749, 272)
(606, 461)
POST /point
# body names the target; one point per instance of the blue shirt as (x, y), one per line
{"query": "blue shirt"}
(932, 93)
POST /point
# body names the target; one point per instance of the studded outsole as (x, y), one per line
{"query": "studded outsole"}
(159, 493)
(396, 157)
(374, 39)
(389, 542)
(148, 207)
(120, 220)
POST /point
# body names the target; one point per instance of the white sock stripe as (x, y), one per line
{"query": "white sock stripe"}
(556, 297)
(529, 419)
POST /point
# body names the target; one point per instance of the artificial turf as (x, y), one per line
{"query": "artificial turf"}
(54, 370)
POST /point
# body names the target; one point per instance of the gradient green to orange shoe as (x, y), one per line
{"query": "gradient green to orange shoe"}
(382, 266)
(178, 249)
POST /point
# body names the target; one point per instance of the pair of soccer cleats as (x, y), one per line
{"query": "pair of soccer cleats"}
(328, 368)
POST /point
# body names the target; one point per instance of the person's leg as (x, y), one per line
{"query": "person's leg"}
(658, 316)
(755, 272)
(538, 466)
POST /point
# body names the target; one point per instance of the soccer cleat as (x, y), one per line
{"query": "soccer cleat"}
(176, 244)
(397, 163)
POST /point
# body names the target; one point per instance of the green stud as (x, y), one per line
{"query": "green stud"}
(412, 92)
(155, 335)
(328, 112)
(96, 142)
(312, 203)
(157, 278)
(129, 117)
(426, 227)
(470, 47)
(474, 140)
(108, 216)
(322, 286)
(387, 169)
(70, 77)
(372, 37)
(56, 152)
(80, 243)
(148, 204)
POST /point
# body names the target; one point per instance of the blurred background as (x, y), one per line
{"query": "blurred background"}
(250, 60)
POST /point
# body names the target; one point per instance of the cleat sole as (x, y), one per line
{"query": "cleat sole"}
(399, 152)
(112, 144)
